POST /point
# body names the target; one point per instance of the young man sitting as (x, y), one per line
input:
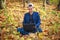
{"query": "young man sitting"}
(31, 18)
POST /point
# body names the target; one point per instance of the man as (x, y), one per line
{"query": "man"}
(29, 18)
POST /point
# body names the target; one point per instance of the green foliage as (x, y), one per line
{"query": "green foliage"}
(53, 12)
(54, 2)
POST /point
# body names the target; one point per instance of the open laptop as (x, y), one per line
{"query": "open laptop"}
(29, 27)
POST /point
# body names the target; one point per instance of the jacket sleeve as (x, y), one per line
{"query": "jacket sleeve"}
(38, 20)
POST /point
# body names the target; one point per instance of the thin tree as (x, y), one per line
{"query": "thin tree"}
(1, 4)
(25, 1)
(58, 6)
(47, 2)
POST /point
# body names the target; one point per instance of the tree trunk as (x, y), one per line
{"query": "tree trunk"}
(1, 4)
(25, 1)
(43, 3)
(58, 6)
(47, 2)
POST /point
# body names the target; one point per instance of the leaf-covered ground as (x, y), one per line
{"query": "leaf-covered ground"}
(12, 17)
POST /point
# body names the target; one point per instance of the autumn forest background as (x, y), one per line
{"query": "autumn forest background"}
(12, 14)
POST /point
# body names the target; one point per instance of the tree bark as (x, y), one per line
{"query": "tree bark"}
(43, 3)
(58, 6)
(25, 1)
(1, 4)
(47, 2)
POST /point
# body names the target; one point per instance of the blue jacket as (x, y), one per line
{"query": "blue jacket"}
(36, 19)
(37, 22)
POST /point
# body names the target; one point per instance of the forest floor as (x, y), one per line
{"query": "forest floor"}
(16, 10)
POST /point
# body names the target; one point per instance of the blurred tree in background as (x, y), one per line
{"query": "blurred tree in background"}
(58, 6)
(47, 1)
(25, 1)
(2, 4)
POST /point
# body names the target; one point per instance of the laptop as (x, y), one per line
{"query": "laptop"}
(29, 27)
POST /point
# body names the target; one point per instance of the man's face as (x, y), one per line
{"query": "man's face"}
(30, 9)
